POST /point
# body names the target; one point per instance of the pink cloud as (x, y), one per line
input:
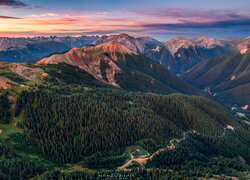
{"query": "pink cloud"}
(8, 17)
(189, 14)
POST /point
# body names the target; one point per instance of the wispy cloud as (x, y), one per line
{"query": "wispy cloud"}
(182, 20)
(156, 21)
(189, 13)
(13, 3)
(43, 15)
(8, 17)
(225, 24)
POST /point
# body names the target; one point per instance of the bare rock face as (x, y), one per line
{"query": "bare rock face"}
(139, 45)
(5, 83)
(243, 44)
(175, 44)
(180, 54)
(208, 42)
(92, 59)
(31, 74)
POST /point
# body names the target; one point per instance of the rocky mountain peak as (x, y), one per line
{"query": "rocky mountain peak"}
(174, 45)
(138, 45)
(115, 47)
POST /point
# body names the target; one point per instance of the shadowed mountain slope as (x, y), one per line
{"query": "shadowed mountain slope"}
(227, 77)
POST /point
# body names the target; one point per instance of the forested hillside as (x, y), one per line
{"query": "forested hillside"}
(63, 123)
(68, 128)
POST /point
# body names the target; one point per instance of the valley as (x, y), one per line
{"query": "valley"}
(227, 78)
(124, 90)
(99, 110)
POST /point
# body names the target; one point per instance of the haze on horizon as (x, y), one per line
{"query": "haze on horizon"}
(159, 19)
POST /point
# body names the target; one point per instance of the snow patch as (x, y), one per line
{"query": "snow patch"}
(243, 51)
(245, 107)
(157, 49)
(233, 108)
(209, 91)
(233, 77)
(241, 114)
(188, 70)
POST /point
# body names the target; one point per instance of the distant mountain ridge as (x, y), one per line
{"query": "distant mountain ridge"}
(180, 54)
(33, 49)
(174, 45)
(17, 43)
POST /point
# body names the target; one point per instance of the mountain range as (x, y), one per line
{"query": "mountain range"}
(108, 109)
(177, 55)
(180, 54)
(113, 63)
(33, 49)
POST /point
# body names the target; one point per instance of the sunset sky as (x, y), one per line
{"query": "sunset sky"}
(162, 19)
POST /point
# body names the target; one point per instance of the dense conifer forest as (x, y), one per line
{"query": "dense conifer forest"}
(4, 110)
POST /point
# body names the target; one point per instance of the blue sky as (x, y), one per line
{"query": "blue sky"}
(162, 19)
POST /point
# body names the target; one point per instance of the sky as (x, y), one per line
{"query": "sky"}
(161, 19)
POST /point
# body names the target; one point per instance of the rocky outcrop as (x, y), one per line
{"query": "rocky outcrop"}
(98, 61)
